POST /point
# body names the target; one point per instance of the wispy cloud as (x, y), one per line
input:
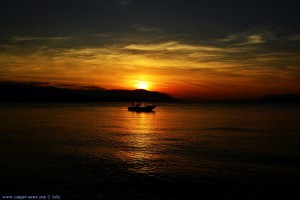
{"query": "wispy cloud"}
(102, 35)
(143, 28)
(249, 37)
(295, 37)
(175, 46)
(255, 39)
(32, 38)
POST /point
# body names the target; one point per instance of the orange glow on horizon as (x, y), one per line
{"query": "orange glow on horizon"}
(178, 69)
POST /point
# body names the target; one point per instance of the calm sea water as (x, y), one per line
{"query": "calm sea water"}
(180, 151)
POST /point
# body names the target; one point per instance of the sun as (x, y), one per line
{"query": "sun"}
(142, 85)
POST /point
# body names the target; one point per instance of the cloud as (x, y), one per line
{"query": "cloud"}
(254, 39)
(102, 35)
(142, 28)
(295, 37)
(249, 37)
(172, 46)
(32, 38)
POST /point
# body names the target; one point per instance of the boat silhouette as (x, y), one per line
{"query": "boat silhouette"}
(141, 108)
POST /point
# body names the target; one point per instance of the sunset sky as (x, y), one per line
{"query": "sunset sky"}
(190, 49)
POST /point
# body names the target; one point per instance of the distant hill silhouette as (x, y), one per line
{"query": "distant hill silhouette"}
(268, 99)
(21, 92)
(283, 98)
(33, 92)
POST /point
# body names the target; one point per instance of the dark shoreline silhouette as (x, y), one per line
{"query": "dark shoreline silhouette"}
(26, 92)
(290, 98)
(22, 92)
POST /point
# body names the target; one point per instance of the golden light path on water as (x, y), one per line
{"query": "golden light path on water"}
(142, 143)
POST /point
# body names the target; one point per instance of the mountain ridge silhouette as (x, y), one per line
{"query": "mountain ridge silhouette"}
(26, 92)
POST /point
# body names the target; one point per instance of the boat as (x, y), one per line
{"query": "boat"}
(141, 108)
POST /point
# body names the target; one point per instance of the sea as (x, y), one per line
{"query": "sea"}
(180, 151)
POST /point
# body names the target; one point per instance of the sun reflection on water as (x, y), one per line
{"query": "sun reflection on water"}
(140, 144)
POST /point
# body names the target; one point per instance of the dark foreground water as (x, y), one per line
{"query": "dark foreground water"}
(103, 151)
